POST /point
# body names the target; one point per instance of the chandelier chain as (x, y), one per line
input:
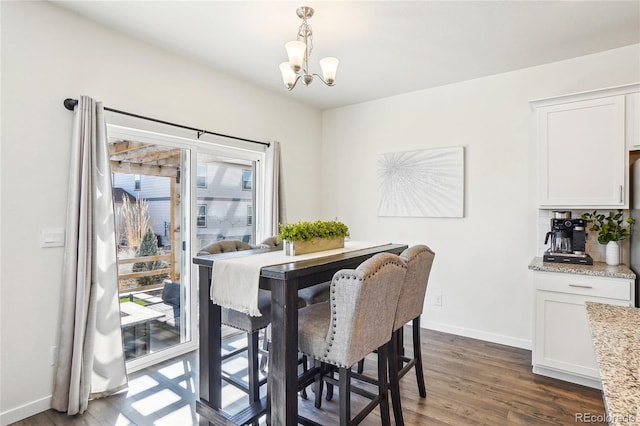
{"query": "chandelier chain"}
(306, 34)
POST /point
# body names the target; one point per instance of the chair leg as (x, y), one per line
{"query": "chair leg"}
(265, 350)
(254, 374)
(399, 347)
(383, 387)
(394, 380)
(417, 354)
(360, 366)
(329, 396)
(344, 376)
(318, 385)
(305, 368)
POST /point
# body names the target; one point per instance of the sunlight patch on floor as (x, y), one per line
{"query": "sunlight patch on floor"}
(141, 384)
(187, 384)
(231, 395)
(174, 370)
(176, 417)
(157, 401)
(122, 420)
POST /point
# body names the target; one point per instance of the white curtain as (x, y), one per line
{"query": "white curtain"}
(91, 358)
(274, 212)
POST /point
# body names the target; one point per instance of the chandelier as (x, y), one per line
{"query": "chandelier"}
(299, 51)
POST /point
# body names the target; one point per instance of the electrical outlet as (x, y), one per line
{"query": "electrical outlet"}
(438, 301)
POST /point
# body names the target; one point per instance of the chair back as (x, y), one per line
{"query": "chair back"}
(419, 259)
(363, 305)
(271, 242)
(224, 246)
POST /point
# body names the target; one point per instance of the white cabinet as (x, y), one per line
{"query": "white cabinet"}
(632, 109)
(582, 148)
(562, 344)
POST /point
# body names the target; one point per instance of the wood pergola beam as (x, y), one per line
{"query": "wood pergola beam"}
(143, 169)
(120, 147)
(148, 156)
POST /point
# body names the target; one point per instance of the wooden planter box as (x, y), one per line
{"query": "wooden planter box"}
(294, 248)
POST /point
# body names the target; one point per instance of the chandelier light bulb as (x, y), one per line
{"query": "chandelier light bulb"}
(288, 75)
(329, 67)
(295, 51)
(299, 51)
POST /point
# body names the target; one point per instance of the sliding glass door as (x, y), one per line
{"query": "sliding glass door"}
(173, 197)
(150, 188)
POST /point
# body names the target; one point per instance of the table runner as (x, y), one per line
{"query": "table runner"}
(235, 281)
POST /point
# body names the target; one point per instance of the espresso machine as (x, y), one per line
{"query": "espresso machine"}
(568, 240)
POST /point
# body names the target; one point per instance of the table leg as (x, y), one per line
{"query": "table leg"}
(210, 345)
(283, 353)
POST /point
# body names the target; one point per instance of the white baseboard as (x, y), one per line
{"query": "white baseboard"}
(568, 377)
(478, 334)
(27, 410)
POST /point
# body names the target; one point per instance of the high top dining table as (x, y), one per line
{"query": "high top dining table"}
(284, 281)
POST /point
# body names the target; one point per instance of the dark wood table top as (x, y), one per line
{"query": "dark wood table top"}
(309, 271)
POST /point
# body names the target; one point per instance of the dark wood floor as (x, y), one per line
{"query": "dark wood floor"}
(469, 382)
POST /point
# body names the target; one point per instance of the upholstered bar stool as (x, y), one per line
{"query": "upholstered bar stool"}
(249, 324)
(358, 319)
(419, 260)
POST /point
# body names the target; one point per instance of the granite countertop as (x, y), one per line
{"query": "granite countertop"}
(616, 336)
(598, 269)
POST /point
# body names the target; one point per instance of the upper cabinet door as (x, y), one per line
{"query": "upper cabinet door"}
(633, 121)
(583, 154)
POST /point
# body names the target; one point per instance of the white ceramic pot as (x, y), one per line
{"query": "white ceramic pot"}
(612, 253)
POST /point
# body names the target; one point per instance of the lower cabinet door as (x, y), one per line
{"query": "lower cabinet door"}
(562, 339)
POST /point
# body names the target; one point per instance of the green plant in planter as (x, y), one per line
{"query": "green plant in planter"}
(609, 228)
(303, 231)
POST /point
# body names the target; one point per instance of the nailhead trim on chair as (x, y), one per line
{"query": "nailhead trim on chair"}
(372, 304)
(333, 304)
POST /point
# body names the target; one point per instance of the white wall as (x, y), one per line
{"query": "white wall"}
(481, 260)
(48, 55)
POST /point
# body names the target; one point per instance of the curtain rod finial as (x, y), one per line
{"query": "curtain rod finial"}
(70, 104)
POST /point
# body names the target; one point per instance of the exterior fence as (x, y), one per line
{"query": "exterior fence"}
(162, 257)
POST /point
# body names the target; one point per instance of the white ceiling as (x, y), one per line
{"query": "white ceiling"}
(385, 47)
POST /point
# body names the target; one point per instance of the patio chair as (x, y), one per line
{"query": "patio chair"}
(170, 304)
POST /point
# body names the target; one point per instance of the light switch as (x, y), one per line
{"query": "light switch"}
(52, 237)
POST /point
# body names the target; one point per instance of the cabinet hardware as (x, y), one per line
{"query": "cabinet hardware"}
(580, 286)
(621, 200)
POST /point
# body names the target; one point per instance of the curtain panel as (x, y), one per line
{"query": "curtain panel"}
(91, 360)
(274, 209)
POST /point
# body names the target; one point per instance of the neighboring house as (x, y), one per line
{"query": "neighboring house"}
(153, 189)
(224, 206)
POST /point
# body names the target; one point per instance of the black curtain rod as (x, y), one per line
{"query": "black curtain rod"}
(70, 104)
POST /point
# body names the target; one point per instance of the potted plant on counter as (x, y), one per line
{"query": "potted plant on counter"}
(610, 229)
(308, 237)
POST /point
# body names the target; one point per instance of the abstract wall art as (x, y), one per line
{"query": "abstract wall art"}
(425, 183)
